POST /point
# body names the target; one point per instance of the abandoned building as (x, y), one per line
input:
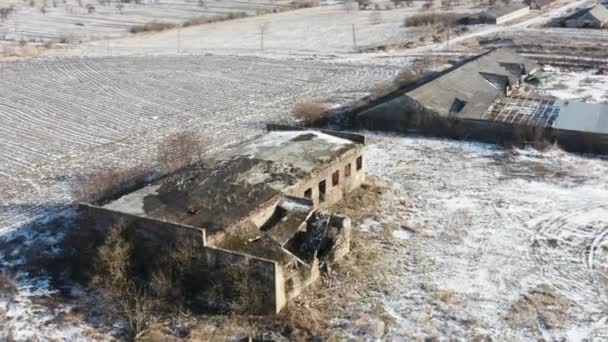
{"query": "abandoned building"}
(480, 100)
(594, 17)
(498, 15)
(259, 206)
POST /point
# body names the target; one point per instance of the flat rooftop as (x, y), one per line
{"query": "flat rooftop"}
(221, 191)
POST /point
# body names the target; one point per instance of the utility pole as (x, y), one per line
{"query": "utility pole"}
(354, 39)
(262, 30)
(448, 44)
(179, 40)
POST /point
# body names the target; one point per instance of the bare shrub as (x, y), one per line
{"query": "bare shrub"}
(445, 19)
(109, 182)
(310, 113)
(153, 26)
(179, 150)
(305, 3)
(5, 12)
(8, 286)
(113, 278)
(200, 20)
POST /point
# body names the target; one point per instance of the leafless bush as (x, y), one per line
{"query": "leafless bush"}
(179, 150)
(305, 3)
(5, 12)
(113, 278)
(8, 287)
(200, 20)
(445, 19)
(154, 26)
(309, 113)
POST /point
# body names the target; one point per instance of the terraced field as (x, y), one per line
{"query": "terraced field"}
(73, 20)
(63, 118)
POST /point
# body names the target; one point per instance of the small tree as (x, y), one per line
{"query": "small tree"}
(428, 4)
(409, 3)
(309, 113)
(364, 4)
(5, 12)
(179, 150)
(120, 7)
(90, 9)
(349, 5)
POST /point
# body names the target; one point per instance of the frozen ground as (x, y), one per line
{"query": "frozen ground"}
(512, 245)
(477, 241)
(583, 86)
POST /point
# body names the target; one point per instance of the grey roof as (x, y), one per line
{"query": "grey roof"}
(583, 117)
(499, 11)
(598, 12)
(467, 83)
(221, 192)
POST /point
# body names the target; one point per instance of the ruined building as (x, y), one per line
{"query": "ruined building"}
(253, 215)
(481, 99)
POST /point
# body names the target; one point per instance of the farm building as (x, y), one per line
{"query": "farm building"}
(594, 17)
(498, 15)
(480, 100)
(258, 208)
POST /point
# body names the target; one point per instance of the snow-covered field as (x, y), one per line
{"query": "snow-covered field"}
(584, 86)
(507, 244)
(321, 30)
(486, 242)
(74, 20)
(64, 118)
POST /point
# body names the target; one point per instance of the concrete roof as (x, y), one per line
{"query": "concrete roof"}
(583, 117)
(499, 11)
(467, 83)
(224, 190)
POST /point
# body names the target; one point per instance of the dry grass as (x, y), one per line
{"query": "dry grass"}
(153, 26)
(445, 19)
(541, 308)
(310, 113)
(305, 3)
(23, 51)
(106, 183)
(114, 280)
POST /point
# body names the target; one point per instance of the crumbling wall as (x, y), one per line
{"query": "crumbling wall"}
(228, 281)
(311, 187)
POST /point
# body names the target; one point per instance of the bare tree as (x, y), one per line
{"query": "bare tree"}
(120, 7)
(179, 150)
(5, 12)
(428, 4)
(364, 4)
(349, 5)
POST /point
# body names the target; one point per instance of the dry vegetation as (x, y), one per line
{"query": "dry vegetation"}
(179, 150)
(428, 19)
(310, 113)
(153, 26)
(540, 309)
